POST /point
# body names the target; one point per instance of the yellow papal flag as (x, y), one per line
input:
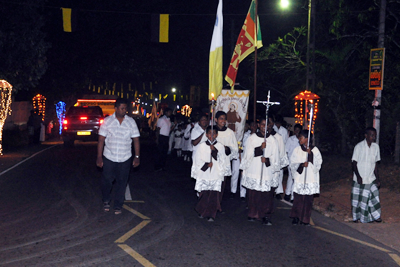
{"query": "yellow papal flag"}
(215, 68)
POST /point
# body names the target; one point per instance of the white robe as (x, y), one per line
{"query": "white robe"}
(312, 179)
(228, 138)
(209, 180)
(196, 132)
(251, 165)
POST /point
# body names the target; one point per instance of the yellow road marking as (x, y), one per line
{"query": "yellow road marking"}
(312, 222)
(353, 239)
(136, 256)
(134, 201)
(135, 212)
(395, 257)
(133, 231)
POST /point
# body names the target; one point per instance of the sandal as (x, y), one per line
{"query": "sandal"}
(117, 211)
(106, 206)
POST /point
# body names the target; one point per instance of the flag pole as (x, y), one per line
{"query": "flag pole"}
(255, 62)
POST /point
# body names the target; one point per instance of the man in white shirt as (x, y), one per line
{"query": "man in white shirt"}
(114, 154)
(365, 202)
(162, 139)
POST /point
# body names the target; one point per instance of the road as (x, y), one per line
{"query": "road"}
(51, 215)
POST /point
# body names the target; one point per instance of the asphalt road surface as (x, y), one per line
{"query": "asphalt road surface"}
(51, 215)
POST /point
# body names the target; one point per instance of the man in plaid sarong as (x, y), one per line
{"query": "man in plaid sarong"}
(365, 203)
(365, 195)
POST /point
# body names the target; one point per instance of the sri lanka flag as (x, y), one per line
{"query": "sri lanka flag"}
(215, 67)
(245, 44)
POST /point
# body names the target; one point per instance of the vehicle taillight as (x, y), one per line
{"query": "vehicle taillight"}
(101, 121)
(83, 118)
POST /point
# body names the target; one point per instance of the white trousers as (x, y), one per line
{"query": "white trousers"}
(235, 178)
(289, 184)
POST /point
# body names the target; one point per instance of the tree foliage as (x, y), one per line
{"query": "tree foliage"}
(22, 45)
(345, 33)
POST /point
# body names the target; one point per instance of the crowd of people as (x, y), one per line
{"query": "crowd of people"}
(255, 164)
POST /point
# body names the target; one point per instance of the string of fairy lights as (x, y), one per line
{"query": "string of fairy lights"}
(5, 107)
(39, 105)
(301, 108)
(60, 110)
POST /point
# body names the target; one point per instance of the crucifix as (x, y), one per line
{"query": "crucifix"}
(267, 104)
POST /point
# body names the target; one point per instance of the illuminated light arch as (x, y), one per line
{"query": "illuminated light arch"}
(5, 107)
(302, 112)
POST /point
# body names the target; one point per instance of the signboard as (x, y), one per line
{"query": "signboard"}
(377, 62)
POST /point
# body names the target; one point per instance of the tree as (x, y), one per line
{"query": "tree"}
(22, 45)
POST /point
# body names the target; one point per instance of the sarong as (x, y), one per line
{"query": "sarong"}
(365, 202)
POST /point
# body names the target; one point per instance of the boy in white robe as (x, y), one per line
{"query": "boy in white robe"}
(208, 170)
(260, 165)
(305, 164)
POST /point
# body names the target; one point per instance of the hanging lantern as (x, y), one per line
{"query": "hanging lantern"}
(301, 108)
(5, 107)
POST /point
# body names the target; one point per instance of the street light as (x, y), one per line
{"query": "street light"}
(284, 4)
(174, 90)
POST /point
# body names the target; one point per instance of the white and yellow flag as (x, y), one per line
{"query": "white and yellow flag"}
(215, 69)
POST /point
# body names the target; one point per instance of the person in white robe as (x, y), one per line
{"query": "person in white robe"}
(208, 170)
(290, 145)
(283, 159)
(305, 164)
(226, 137)
(260, 165)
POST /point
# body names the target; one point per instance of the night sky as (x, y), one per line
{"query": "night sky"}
(113, 36)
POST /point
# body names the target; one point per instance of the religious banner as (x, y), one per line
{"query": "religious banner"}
(376, 66)
(235, 105)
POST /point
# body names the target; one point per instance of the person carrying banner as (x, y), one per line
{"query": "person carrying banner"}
(305, 164)
(365, 202)
(208, 170)
(259, 174)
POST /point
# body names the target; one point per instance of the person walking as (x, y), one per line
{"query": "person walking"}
(365, 202)
(305, 164)
(114, 154)
(162, 139)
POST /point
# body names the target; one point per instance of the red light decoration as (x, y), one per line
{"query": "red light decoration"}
(302, 115)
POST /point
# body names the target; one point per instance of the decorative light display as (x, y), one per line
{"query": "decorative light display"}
(301, 108)
(60, 110)
(5, 107)
(186, 110)
(39, 105)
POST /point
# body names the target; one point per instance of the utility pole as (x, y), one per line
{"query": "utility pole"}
(378, 93)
